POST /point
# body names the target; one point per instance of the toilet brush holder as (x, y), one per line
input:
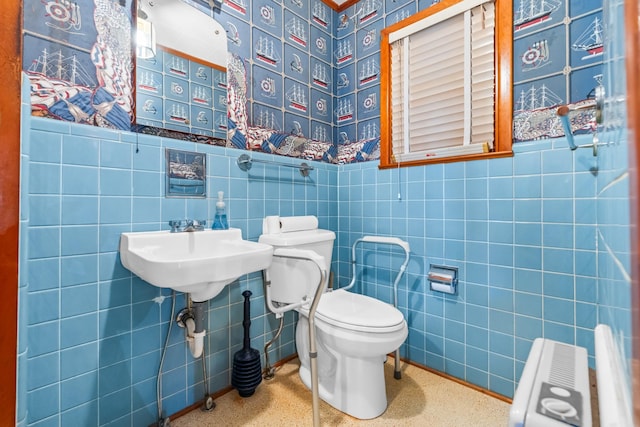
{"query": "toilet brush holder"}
(247, 369)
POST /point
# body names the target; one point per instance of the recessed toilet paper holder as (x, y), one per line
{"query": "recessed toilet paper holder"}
(443, 278)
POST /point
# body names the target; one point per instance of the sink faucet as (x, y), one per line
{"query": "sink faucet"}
(180, 225)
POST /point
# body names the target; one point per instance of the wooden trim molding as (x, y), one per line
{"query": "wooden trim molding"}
(10, 63)
(632, 44)
(340, 7)
(503, 120)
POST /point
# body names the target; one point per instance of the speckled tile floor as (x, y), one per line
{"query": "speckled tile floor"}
(420, 398)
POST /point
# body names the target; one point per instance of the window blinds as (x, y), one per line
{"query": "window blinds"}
(442, 87)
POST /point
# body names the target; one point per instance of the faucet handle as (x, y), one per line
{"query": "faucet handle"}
(175, 225)
(199, 223)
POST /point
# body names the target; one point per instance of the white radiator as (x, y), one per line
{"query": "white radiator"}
(613, 388)
(554, 387)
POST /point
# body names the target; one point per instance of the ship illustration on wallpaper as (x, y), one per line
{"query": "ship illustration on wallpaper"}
(368, 10)
(536, 56)
(344, 112)
(266, 120)
(320, 14)
(147, 82)
(321, 76)
(178, 66)
(265, 51)
(368, 72)
(297, 98)
(55, 78)
(200, 95)
(533, 12)
(399, 16)
(222, 123)
(297, 33)
(320, 134)
(65, 15)
(344, 51)
(536, 98)
(590, 41)
(221, 80)
(237, 5)
(369, 131)
(178, 114)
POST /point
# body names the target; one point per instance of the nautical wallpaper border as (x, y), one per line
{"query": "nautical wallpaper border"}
(302, 79)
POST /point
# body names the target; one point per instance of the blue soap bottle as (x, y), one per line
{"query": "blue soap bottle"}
(220, 220)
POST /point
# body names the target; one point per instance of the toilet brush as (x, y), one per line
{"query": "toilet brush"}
(247, 369)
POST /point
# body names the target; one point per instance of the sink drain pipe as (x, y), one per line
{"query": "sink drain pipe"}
(195, 328)
(193, 320)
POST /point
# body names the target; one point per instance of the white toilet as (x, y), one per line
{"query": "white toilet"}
(354, 332)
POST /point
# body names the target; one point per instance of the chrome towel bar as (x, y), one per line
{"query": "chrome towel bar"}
(245, 162)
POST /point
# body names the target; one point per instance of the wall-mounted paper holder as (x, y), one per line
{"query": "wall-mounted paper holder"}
(443, 278)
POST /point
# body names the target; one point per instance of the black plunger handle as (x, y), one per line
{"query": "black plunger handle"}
(246, 323)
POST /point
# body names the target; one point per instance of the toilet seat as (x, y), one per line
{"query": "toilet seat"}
(357, 312)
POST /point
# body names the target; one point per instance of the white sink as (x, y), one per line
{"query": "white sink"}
(201, 263)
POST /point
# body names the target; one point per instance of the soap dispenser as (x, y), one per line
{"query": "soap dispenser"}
(220, 220)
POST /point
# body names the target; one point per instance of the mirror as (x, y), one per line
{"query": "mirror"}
(183, 86)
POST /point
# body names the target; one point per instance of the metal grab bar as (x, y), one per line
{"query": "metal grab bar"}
(318, 260)
(245, 162)
(383, 240)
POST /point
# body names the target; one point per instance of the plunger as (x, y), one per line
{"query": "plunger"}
(247, 369)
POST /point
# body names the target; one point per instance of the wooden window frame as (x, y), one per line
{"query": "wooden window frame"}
(503, 121)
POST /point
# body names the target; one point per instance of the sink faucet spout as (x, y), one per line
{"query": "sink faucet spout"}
(187, 225)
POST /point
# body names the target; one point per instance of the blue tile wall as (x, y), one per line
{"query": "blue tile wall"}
(524, 273)
(87, 324)
(526, 249)
(612, 205)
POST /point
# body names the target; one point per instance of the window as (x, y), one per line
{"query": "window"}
(446, 84)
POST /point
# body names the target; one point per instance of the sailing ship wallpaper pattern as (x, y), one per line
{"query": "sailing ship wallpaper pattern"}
(78, 59)
(557, 60)
(303, 80)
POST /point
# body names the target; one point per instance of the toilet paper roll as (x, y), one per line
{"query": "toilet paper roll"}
(271, 225)
(298, 223)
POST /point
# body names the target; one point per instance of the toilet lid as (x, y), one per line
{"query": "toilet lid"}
(358, 312)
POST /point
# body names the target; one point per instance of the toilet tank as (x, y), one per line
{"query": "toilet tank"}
(292, 279)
